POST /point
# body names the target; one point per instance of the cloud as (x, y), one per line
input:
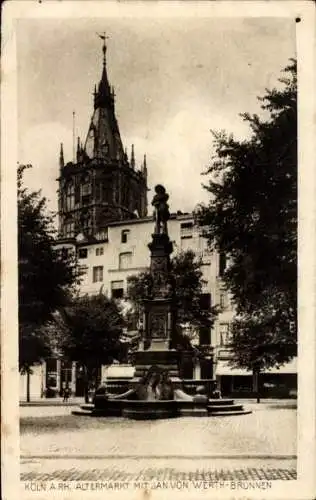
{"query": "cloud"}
(40, 146)
(179, 152)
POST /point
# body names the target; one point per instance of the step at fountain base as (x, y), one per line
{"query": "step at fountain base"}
(159, 409)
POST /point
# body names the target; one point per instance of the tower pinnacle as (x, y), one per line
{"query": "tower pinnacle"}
(132, 157)
(61, 156)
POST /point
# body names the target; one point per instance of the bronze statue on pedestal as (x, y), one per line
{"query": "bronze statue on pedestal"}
(161, 214)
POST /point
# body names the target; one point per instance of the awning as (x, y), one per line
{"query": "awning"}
(290, 367)
(120, 371)
(223, 368)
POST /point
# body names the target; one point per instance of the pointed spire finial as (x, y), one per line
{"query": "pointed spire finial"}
(132, 157)
(103, 37)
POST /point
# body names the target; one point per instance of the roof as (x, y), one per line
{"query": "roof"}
(149, 218)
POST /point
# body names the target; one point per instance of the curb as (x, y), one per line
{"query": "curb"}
(55, 456)
(47, 404)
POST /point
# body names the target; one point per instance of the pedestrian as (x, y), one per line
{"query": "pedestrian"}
(66, 394)
(216, 393)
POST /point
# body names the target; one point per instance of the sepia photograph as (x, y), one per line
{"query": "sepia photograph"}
(157, 179)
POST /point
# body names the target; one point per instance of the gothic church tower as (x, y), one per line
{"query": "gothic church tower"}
(102, 185)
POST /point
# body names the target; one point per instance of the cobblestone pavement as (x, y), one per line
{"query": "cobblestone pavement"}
(58, 446)
(263, 432)
(130, 470)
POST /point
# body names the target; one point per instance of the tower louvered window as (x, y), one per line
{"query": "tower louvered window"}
(70, 196)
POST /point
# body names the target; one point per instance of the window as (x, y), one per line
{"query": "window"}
(86, 190)
(186, 230)
(85, 200)
(65, 373)
(125, 260)
(86, 224)
(223, 300)
(51, 372)
(102, 235)
(124, 235)
(83, 270)
(186, 244)
(99, 251)
(107, 192)
(204, 335)
(70, 196)
(224, 334)
(98, 191)
(97, 274)
(83, 253)
(63, 253)
(205, 301)
(117, 289)
(86, 187)
(222, 264)
(69, 229)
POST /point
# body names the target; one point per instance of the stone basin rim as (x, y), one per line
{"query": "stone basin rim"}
(148, 401)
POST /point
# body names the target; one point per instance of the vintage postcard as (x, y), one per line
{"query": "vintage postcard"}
(158, 249)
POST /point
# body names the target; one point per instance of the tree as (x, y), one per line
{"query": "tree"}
(90, 330)
(252, 218)
(187, 276)
(46, 278)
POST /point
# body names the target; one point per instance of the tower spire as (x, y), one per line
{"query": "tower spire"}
(103, 94)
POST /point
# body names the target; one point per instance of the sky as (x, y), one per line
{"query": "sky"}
(175, 80)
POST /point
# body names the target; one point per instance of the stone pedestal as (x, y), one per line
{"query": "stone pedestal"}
(159, 313)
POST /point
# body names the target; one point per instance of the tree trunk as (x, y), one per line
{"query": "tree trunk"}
(97, 378)
(86, 393)
(256, 385)
(28, 385)
(85, 384)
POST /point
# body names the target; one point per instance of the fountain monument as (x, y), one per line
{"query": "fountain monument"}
(156, 390)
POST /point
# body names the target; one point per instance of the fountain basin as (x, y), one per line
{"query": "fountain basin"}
(150, 409)
(158, 396)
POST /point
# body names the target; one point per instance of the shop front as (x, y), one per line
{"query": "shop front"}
(275, 382)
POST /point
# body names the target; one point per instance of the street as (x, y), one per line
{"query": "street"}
(58, 445)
